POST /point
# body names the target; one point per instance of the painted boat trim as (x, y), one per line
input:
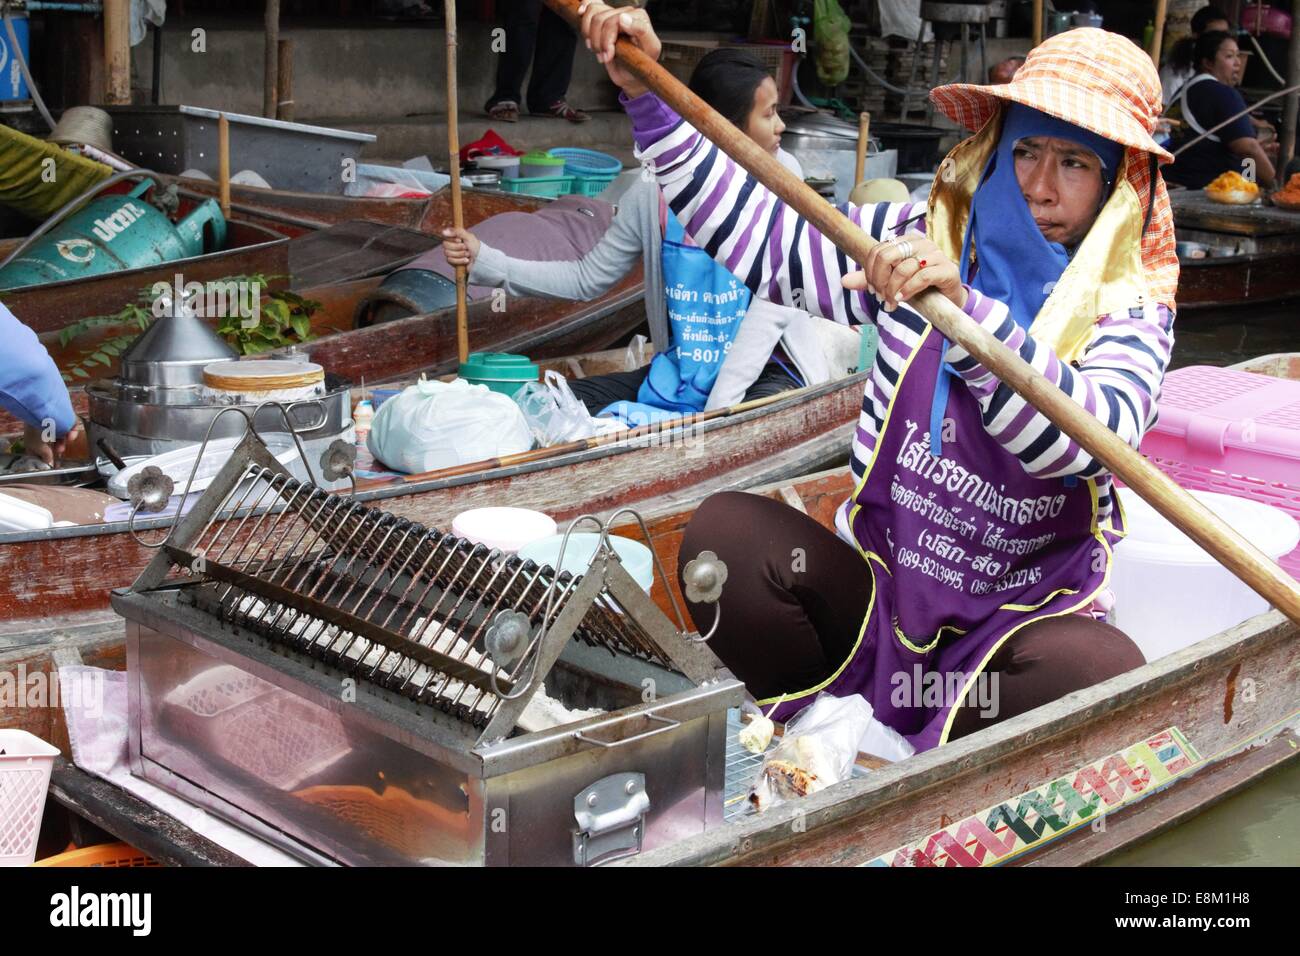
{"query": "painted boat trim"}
(1018, 825)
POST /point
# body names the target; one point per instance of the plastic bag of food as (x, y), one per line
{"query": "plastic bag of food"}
(555, 415)
(831, 31)
(819, 748)
(434, 425)
(638, 354)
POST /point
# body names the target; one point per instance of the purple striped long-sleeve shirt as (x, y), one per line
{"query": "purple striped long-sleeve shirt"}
(783, 258)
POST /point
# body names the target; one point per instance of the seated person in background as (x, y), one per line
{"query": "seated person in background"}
(1000, 73)
(1180, 66)
(677, 272)
(32, 390)
(1205, 101)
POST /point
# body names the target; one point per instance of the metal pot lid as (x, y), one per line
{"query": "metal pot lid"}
(821, 124)
(173, 351)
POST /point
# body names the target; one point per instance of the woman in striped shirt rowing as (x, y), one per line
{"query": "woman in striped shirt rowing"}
(968, 582)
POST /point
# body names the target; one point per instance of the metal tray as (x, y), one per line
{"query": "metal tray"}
(289, 156)
(72, 474)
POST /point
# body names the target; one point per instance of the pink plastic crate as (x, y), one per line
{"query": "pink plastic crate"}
(1234, 432)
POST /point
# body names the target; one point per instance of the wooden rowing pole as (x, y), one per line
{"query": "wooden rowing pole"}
(453, 152)
(1186, 513)
(864, 139)
(1157, 38)
(223, 165)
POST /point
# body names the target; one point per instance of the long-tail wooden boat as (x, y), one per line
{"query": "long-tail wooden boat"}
(1234, 255)
(1072, 782)
(541, 328)
(63, 571)
(261, 240)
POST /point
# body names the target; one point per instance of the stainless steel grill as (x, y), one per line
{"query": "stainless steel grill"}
(436, 647)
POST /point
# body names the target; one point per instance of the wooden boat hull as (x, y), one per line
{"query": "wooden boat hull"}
(1238, 280)
(293, 213)
(541, 328)
(55, 305)
(1120, 761)
(1232, 700)
(71, 570)
(1262, 263)
(1069, 783)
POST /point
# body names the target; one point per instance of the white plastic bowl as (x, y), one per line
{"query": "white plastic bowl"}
(636, 557)
(506, 529)
(1169, 593)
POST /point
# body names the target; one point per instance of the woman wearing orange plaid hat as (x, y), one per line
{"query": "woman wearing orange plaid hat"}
(968, 580)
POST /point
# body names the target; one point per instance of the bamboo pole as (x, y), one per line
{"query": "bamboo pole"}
(1145, 480)
(270, 58)
(453, 154)
(1157, 38)
(117, 52)
(1286, 149)
(223, 164)
(864, 139)
(284, 81)
(1038, 22)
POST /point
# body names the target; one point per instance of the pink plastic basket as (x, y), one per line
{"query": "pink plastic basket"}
(1234, 432)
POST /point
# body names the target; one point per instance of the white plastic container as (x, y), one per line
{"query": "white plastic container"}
(179, 463)
(636, 557)
(19, 515)
(25, 765)
(1169, 593)
(506, 529)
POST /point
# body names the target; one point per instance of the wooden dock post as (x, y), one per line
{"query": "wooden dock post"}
(270, 84)
(117, 52)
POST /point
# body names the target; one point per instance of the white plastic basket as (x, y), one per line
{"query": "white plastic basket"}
(25, 765)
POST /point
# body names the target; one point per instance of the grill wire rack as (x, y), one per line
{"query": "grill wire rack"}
(411, 611)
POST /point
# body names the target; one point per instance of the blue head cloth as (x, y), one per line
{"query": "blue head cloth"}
(1016, 266)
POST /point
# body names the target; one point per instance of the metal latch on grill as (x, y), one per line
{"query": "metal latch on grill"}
(611, 819)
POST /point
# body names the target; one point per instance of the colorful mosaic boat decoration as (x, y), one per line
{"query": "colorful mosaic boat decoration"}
(1019, 825)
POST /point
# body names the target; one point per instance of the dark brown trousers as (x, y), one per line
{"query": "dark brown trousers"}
(796, 595)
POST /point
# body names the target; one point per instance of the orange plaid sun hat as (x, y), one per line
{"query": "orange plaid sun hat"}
(1091, 78)
(1104, 83)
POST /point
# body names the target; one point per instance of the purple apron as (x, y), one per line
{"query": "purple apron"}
(964, 549)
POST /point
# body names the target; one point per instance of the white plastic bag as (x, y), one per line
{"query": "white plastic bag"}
(819, 749)
(434, 425)
(374, 180)
(638, 354)
(555, 415)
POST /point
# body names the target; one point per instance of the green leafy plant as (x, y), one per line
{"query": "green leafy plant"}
(284, 319)
(135, 317)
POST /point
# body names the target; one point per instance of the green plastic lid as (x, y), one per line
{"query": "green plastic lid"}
(541, 158)
(486, 368)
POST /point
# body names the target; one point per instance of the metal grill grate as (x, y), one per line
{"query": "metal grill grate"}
(385, 600)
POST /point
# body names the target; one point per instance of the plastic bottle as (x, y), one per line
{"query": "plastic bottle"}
(362, 415)
(1148, 34)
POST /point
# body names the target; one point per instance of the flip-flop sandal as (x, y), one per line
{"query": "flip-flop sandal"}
(563, 110)
(507, 111)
